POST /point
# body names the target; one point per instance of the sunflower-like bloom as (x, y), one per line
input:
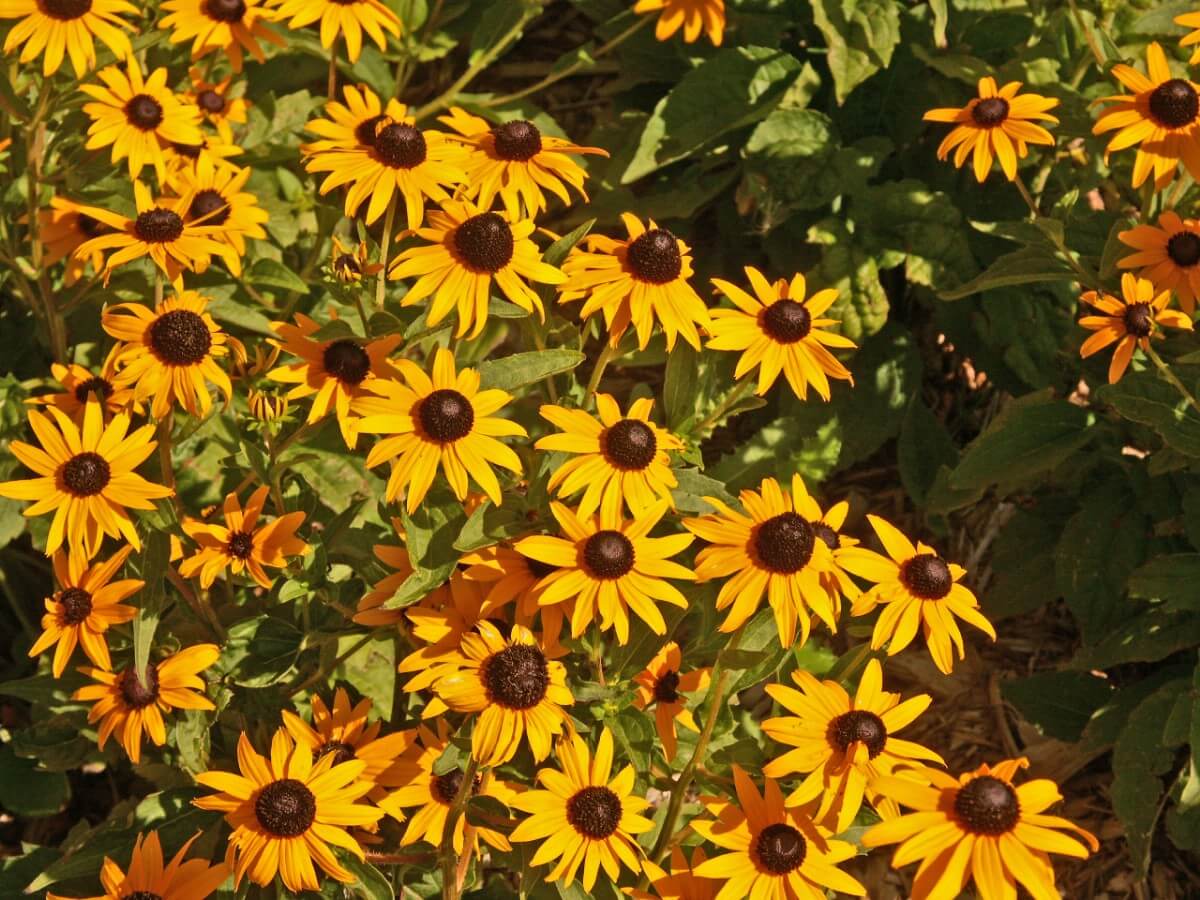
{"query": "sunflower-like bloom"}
(216, 103)
(843, 744)
(1167, 255)
(837, 583)
(999, 123)
(508, 576)
(780, 330)
(125, 704)
(181, 157)
(978, 826)
(240, 544)
(160, 231)
(693, 16)
(1192, 39)
(584, 815)
(179, 879)
(392, 156)
(226, 25)
(1161, 115)
(918, 589)
(348, 18)
(774, 851)
(439, 623)
(62, 229)
(660, 684)
(170, 353)
(608, 566)
(772, 548)
(215, 197)
(395, 557)
(515, 161)
(84, 607)
(80, 384)
(266, 406)
(435, 794)
(85, 477)
(681, 883)
(514, 690)
(468, 250)
(351, 265)
(67, 26)
(443, 422)
(333, 372)
(137, 117)
(1129, 321)
(351, 125)
(619, 460)
(286, 811)
(637, 281)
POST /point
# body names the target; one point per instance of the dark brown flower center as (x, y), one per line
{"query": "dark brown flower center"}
(400, 146)
(188, 151)
(240, 544)
(858, 726)
(485, 242)
(210, 101)
(98, 386)
(780, 849)
(654, 256)
(832, 539)
(516, 677)
(1174, 103)
(65, 10)
(446, 416)
(144, 112)
(608, 554)
(629, 445)
(1139, 319)
(180, 338)
(990, 112)
(136, 694)
(225, 10)
(74, 605)
(346, 361)
(987, 805)
(594, 812)
(364, 131)
(666, 689)
(784, 543)
(539, 569)
(342, 752)
(142, 895)
(347, 266)
(1184, 249)
(158, 226)
(90, 227)
(446, 787)
(927, 576)
(85, 474)
(786, 321)
(285, 808)
(209, 207)
(517, 141)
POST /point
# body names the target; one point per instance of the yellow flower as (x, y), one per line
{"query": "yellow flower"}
(347, 18)
(351, 125)
(215, 198)
(693, 16)
(1190, 20)
(978, 826)
(266, 406)
(917, 589)
(216, 103)
(660, 684)
(67, 26)
(241, 544)
(394, 556)
(999, 123)
(1167, 255)
(439, 623)
(509, 576)
(128, 706)
(681, 884)
(62, 229)
(637, 281)
(179, 879)
(80, 385)
(350, 266)
(585, 816)
(1129, 322)
(227, 25)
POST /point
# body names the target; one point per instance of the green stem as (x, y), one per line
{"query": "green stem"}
(1086, 278)
(324, 672)
(447, 855)
(607, 355)
(1171, 377)
(331, 83)
(717, 414)
(384, 245)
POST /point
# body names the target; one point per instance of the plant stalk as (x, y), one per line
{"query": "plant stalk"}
(384, 245)
(1172, 378)
(447, 855)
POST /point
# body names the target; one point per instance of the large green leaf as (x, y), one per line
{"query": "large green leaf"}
(861, 37)
(1143, 397)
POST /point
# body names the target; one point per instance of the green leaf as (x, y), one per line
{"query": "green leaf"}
(560, 249)
(693, 487)
(152, 568)
(1029, 265)
(511, 372)
(1191, 789)
(679, 385)
(192, 739)
(272, 273)
(1145, 638)
(922, 448)
(1059, 703)
(1171, 579)
(369, 883)
(1142, 397)
(27, 790)
(861, 37)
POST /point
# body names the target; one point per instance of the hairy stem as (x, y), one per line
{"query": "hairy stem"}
(607, 355)
(384, 245)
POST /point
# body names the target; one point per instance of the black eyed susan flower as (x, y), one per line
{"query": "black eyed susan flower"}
(843, 744)
(837, 583)
(266, 406)
(1129, 321)
(348, 18)
(1161, 115)
(184, 157)
(774, 851)
(148, 877)
(617, 460)
(55, 27)
(514, 691)
(394, 556)
(215, 198)
(87, 604)
(351, 125)
(692, 16)
(160, 231)
(468, 251)
(441, 422)
(124, 704)
(1167, 255)
(333, 372)
(608, 566)
(137, 116)
(773, 548)
(1190, 20)
(241, 544)
(681, 883)
(286, 810)
(584, 815)
(85, 477)
(350, 266)
(230, 26)
(918, 589)
(979, 826)
(515, 162)
(998, 124)
(80, 384)
(780, 330)
(637, 281)
(62, 229)
(434, 794)
(508, 576)
(216, 103)
(660, 685)
(438, 625)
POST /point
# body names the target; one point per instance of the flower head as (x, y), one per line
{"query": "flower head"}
(81, 384)
(1129, 321)
(661, 685)
(149, 877)
(693, 16)
(347, 19)
(229, 26)
(1167, 255)
(63, 228)
(67, 27)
